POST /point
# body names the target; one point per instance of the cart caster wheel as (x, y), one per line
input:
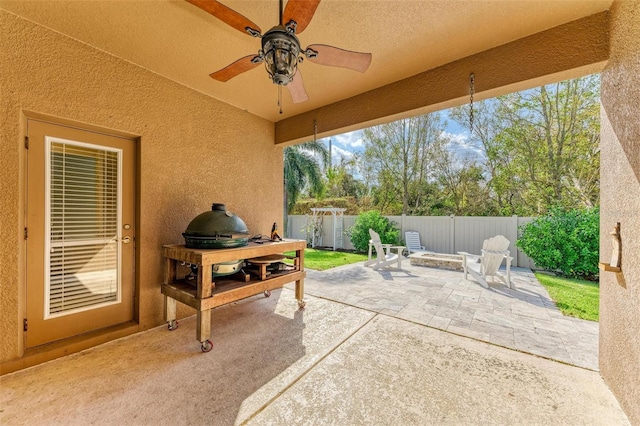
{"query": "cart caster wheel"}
(206, 346)
(301, 304)
(172, 325)
(267, 293)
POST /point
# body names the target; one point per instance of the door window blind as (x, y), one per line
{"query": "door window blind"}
(83, 201)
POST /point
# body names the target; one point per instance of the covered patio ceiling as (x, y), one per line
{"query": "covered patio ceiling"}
(185, 44)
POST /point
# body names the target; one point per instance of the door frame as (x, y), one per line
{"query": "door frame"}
(62, 347)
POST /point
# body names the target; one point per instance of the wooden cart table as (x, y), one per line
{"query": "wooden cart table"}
(207, 293)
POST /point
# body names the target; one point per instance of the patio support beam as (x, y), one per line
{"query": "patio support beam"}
(570, 50)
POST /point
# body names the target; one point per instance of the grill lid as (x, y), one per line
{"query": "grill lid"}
(217, 228)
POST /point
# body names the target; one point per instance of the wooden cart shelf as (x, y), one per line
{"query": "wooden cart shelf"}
(227, 291)
(206, 293)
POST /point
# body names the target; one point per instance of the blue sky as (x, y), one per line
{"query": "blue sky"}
(346, 144)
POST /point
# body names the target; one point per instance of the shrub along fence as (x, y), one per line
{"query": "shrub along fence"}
(441, 234)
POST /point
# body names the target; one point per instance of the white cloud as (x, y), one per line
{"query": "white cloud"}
(337, 153)
(462, 146)
(350, 139)
(457, 138)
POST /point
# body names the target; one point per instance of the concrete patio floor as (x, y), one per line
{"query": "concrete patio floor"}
(525, 319)
(330, 363)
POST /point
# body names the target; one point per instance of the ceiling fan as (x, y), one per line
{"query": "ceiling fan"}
(281, 51)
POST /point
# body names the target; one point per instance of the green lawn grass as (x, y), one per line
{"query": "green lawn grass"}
(575, 298)
(321, 260)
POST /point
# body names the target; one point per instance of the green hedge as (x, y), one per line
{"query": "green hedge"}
(359, 232)
(565, 242)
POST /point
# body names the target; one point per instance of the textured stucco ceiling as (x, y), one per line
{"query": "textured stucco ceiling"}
(183, 43)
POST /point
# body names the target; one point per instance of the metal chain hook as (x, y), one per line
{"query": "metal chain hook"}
(315, 130)
(472, 80)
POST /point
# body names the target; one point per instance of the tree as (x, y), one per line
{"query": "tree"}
(541, 146)
(398, 158)
(341, 181)
(462, 187)
(556, 130)
(538, 149)
(302, 170)
(496, 157)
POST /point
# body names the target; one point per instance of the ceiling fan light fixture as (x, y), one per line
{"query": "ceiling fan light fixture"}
(281, 49)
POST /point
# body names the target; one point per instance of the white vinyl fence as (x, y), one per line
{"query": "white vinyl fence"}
(441, 234)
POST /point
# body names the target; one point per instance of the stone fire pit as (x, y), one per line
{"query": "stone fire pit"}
(437, 260)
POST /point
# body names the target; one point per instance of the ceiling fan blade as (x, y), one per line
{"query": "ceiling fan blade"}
(238, 67)
(335, 57)
(300, 11)
(297, 90)
(226, 15)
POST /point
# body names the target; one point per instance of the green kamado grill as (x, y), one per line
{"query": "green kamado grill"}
(218, 229)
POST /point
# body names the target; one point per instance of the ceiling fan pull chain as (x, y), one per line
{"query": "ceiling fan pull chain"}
(472, 81)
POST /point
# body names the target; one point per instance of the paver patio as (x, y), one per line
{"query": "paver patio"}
(525, 319)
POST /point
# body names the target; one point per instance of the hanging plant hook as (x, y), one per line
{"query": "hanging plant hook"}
(315, 130)
(472, 81)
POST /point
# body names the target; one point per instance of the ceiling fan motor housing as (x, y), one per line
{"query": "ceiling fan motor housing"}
(281, 49)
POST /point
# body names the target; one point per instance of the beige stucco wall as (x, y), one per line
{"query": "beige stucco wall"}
(620, 200)
(194, 150)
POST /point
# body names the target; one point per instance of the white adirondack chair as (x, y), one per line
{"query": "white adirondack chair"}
(494, 251)
(412, 241)
(383, 256)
